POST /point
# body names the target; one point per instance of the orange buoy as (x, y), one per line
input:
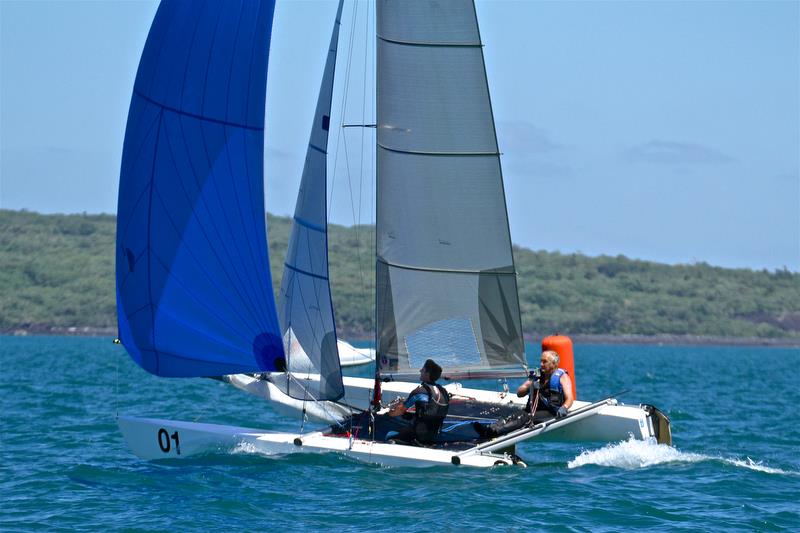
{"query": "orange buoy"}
(562, 345)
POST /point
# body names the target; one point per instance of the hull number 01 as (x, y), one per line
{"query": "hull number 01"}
(164, 441)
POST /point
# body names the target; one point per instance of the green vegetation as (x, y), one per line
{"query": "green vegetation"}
(58, 271)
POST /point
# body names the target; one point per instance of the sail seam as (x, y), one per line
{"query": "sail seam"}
(429, 43)
(195, 115)
(443, 270)
(202, 268)
(420, 152)
(156, 124)
(232, 274)
(208, 232)
(149, 240)
(240, 200)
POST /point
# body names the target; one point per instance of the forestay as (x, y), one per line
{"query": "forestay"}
(446, 284)
(194, 292)
(307, 319)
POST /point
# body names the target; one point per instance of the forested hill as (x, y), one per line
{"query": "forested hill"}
(57, 271)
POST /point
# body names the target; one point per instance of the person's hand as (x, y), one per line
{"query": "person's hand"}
(562, 412)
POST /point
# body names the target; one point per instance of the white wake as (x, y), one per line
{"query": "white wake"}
(632, 454)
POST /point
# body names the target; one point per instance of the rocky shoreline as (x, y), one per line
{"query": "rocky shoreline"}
(677, 340)
(577, 338)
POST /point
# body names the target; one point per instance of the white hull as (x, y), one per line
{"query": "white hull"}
(153, 439)
(611, 423)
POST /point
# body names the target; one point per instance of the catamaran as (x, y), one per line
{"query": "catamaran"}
(194, 292)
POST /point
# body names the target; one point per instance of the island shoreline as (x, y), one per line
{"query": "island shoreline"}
(577, 338)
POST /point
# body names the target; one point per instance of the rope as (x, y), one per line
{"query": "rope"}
(116, 384)
(321, 403)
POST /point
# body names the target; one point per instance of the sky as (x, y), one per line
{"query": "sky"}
(661, 130)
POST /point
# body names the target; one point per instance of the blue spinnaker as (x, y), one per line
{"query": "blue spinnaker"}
(194, 290)
(309, 328)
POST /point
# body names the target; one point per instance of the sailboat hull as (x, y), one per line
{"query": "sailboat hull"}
(611, 423)
(159, 439)
(156, 438)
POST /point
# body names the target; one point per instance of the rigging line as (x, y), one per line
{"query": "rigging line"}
(299, 237)
(350, 187)
(315, 400)
(372, 171)
(363, 112)
(356, 212)
(363, 121)
(116, 382)
(343, 107)
(344, 137)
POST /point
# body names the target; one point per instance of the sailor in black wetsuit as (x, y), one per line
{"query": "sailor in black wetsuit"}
(430, 402)
(554, 398)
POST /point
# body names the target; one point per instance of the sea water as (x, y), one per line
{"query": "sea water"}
(734, 463)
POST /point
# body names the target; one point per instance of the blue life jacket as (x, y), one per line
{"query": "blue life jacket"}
(552, 393)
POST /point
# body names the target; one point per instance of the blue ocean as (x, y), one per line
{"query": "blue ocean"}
(734, 463)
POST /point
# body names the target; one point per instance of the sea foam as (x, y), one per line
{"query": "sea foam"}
(633, 454)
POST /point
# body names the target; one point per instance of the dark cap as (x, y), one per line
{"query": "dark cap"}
(434, 370)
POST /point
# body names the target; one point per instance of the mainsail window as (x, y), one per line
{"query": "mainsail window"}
(449, 342)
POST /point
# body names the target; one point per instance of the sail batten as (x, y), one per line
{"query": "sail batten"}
(507, 271)
(443, 154)
(428, 43)
(446, 284)
(194, 290)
